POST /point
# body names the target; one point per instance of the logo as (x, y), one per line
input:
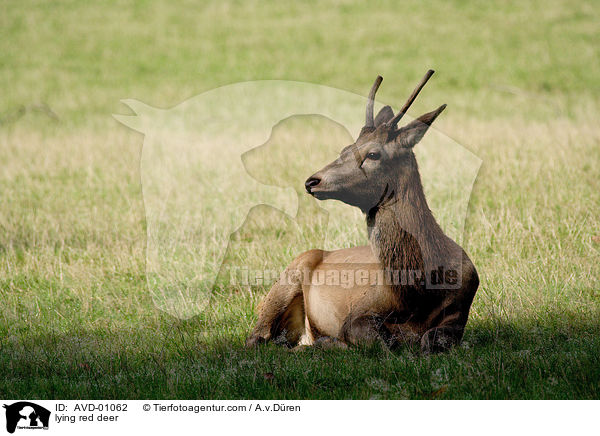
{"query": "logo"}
(223, 183)
(26, 415)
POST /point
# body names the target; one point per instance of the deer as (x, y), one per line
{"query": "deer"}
(411, 284)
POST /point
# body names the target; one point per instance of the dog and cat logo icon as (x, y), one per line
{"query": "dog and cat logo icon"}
(26, 415)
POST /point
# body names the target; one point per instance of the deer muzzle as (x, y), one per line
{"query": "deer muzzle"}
(310, 183)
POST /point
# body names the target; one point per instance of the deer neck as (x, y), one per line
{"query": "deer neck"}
(403, 233)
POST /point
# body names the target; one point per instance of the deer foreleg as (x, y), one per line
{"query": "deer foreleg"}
(439, 339)
(365, 330)
(281, 309)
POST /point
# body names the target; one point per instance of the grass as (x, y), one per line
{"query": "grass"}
(77, 319)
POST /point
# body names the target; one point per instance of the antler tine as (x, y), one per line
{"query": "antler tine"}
(411, 99)
(369, 121)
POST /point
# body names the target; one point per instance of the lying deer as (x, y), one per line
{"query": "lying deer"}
(412, 284)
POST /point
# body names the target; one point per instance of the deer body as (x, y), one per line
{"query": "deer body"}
(410, 284)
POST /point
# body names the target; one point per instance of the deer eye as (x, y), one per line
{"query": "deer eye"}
(373, 155)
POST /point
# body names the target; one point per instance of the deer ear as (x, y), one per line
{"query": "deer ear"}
(385, 114)
(410, 135)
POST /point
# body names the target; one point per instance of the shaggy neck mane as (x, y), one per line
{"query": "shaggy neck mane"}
(403, 232)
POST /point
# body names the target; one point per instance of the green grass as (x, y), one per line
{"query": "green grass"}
(76, 317)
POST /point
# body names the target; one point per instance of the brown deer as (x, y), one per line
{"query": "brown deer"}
(411, 284)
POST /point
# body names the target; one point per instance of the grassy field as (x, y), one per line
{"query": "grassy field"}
(77, 320)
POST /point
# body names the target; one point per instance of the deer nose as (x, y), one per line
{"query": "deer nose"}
(311, 183)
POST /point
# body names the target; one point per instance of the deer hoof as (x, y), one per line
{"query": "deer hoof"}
(436, 341)
(255, 341)
(329, 343)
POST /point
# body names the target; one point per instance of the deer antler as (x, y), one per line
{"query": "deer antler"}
(369, 121)
(394, 121)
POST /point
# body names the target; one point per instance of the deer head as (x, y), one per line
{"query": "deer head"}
(381, 163)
